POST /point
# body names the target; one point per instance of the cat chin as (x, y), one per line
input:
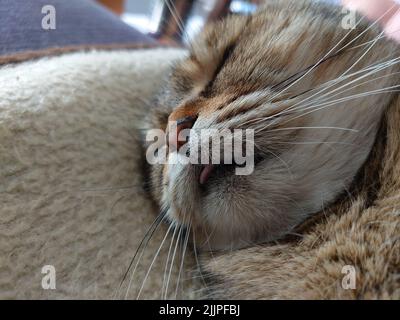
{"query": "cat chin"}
(218, 237)
(211, 238)
(217, 227)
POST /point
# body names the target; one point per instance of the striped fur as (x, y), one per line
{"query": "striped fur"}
(307, 87)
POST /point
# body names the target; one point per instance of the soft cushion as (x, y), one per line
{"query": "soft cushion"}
(78, 23)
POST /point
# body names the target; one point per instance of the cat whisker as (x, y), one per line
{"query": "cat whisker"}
(141, 248)
(312, 68)
(282, 161)
(371, 70)
(172, 262)
(318, 63)
(386, 35)
(166, 262)
(197, 259)
(322, 106)
(320, 142)
(355, 96)
(301, 128)
(374, 41)
(258, 120)
(152, 262)
(205, 276)
(208, 235)
(185, 244)
(208, 243)
(143, 244)
(375, 68)
(372, 25)
(328, 95)
(174, 12)
(364, 54)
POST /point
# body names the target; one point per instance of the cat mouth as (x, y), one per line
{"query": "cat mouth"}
(217, 171)
(208, 170)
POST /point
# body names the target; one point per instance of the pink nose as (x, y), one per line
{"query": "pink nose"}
(174, 142)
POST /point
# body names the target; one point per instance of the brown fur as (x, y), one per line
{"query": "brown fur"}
(358, 225)
(352, 232)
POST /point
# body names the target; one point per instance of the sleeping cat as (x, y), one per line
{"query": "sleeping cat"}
(313, 93)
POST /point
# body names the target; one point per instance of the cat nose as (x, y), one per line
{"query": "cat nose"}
(173, 133)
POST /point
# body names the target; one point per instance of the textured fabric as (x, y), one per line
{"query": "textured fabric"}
(78, 22)
(71, 184)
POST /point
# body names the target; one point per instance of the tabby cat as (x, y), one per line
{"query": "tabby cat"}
(312, 91)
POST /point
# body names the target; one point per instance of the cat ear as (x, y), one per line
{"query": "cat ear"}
(209, 51)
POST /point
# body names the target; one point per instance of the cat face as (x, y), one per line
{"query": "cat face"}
(312, 93)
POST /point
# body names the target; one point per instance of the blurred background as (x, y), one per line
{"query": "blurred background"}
(165, 19)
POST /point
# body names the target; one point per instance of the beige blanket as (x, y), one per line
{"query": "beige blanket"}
(71, 193)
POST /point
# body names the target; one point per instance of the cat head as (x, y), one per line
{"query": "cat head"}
(309, 92)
